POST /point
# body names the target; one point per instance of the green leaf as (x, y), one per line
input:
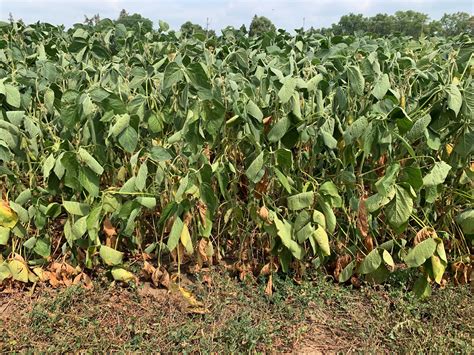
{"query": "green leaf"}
(400, 208)
(347, 272)
(90, 161)
(418, 128)
(284, 231)
(13, 95)
(322, 239)
(172, 75)
(377, 201)
(140, 181)
(200, 80)
(422, 288)
(318, 217)
(287, 90)
(175, 234)
(148, 202)
(254, 110)
(329, 215)
(121, 123)
(381, 86)
(304, 233)
(454, 98)
(48, 165)
(43, 247)
(420, 253)
(76, 208)
(412, 176)
(4, 235)
(160, 154)
(163, 26)
(437, 175)
(279, 129)
(283, 180)
(385, 184)
(466, 221)
(301, 200)
(129, 186)
(49, 100)
(356, 80)
(329, 140)
(370, 263)
(254, 169)
(128, 139)
(89, 181)
(183, 186)
(110, 256)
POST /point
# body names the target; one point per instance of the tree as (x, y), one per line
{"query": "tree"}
(457, 23)
(188, 29)
(135, 22)
(411, 23)
(92, 21)
(349, 24)
(261, 25)
(381, 24)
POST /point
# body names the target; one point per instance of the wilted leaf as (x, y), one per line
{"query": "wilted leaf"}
(362, 218)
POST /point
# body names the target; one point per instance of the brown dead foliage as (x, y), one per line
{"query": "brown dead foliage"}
(424, 233)
(341, 262)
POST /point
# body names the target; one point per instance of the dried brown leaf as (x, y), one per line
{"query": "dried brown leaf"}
(424, 233)
(269, 287)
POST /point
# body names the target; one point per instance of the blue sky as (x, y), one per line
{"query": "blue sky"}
(284, 13)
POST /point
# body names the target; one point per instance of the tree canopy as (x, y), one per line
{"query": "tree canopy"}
(135, 22)
(261, 25)
(409, 23)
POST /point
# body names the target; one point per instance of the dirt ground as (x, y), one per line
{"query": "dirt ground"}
(219, 313)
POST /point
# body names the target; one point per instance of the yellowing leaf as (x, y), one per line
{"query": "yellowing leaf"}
(19, 270)
(186, 239)
(189, 297)
(438, 268)
(322, 239)
(8, 217)
(123, 275)
(5, 272)
(110, 256)
(388, 258)
(449, 148)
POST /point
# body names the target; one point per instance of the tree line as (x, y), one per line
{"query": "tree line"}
(409, 23)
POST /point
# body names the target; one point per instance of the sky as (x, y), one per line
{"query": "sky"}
(287, 14)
